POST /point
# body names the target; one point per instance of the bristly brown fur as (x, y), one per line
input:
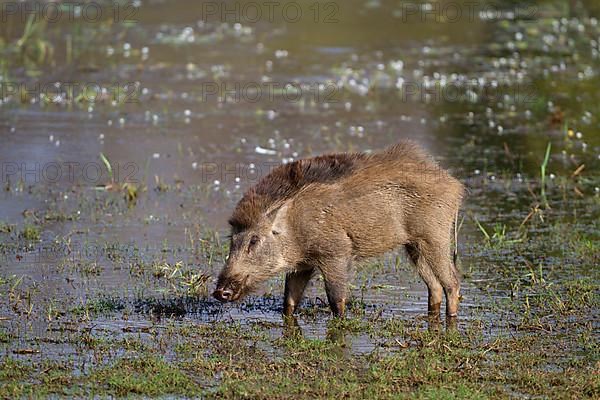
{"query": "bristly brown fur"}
(287, 180)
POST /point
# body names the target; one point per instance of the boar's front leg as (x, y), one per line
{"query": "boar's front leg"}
(295, 283)
(336, 295)
(335, 275)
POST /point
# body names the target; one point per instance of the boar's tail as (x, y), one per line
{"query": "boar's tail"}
(455, 254)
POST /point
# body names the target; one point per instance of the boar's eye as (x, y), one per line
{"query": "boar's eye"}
(253, 241)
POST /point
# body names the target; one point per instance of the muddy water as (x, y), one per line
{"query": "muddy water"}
(207, 104)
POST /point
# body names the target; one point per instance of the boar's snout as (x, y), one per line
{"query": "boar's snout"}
(230, 288)
(223, 295)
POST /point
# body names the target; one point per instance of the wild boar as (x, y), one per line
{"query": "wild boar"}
(329, 212)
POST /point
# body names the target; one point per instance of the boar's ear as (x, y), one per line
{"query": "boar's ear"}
(278, 218)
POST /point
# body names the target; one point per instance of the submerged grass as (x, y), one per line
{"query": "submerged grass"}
(148, 376)
(31, 232)
(230, 364)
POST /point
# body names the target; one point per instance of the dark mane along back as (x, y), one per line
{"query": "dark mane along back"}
(287, 180)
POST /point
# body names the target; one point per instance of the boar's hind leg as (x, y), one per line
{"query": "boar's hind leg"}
(295, 283)
(433, 284)
(448, 276)
(437, 255)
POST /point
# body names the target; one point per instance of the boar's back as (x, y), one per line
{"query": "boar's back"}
(288, 179)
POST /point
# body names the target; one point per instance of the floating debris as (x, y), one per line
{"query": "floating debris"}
(262, 150)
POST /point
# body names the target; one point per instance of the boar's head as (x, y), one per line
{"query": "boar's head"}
(257, 253)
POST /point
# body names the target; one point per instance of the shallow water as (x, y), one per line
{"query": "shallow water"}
(484, 95)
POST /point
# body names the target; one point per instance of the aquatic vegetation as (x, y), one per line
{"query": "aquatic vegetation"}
(129, 190)
(421, 369)
(102, 305)
(145, 376)
(32, 49)
(182, 280)
(5, 227)
(543, 167)
(499, 237)
(30, 232)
